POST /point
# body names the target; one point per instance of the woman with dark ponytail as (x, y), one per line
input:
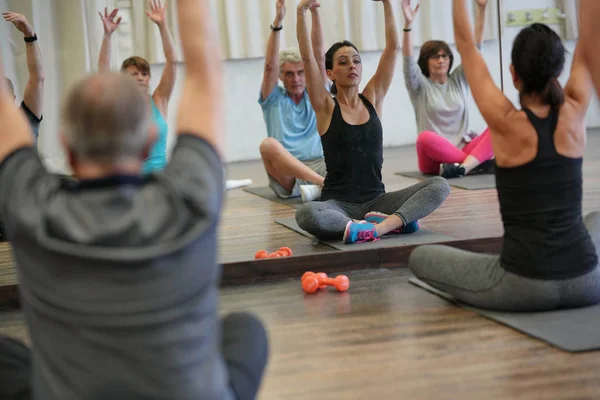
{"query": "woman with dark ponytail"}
(329, 59)
(549, 256)
(354, 205)
(538, 58)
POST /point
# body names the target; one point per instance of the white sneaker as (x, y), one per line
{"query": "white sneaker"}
(234, 184)
(310, 192)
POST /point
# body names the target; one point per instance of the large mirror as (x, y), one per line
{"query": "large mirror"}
(70, 37)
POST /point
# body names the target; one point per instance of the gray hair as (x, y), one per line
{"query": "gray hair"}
(106, 119)
(10, 85)
(291, 55)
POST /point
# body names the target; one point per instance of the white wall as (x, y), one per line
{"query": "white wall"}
(245, 125)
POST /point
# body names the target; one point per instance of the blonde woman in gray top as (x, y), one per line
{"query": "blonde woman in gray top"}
(445, 144)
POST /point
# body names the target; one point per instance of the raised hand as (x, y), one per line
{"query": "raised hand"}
(158, 11)
(409, 12)
(281, 11)
(20, 22)
(308, 4)
(109, 22)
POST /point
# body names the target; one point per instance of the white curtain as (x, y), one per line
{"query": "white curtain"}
(243, 25)
(77, 31)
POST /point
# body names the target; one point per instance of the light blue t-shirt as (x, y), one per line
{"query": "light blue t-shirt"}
(157, 159)
(293, 125)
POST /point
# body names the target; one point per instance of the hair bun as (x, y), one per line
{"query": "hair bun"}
(538, 57)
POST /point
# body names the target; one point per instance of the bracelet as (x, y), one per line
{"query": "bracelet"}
(407, 30)
(31, 38)
(276, 29)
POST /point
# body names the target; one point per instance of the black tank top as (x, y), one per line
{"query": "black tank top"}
(540, 203)
(354, 158)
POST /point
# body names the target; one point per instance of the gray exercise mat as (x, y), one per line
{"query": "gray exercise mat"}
(422, 236)
(267, 193)
(573, 330)
(469, 182)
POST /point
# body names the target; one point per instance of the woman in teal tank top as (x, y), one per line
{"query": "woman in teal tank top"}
(139, 69)
(157, 158)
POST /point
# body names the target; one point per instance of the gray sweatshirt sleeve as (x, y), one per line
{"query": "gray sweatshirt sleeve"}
(413, 76)
(459, 74)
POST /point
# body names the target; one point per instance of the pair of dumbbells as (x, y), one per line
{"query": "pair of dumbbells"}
(312, 282)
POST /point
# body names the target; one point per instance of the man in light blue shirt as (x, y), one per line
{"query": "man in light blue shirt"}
(292, 153)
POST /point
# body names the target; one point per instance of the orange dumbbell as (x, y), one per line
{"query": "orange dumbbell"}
(261, 254)
(311, 282)
(320, 275)
(282, 252)
(286, 251)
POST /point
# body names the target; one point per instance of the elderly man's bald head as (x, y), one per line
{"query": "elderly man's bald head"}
(106, 119)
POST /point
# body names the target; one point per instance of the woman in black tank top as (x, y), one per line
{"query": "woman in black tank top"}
(353, 203)
(549, 257)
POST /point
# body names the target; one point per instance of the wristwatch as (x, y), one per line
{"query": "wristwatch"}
(276, 28)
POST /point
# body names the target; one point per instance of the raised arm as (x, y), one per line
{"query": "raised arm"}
(34, 91)
(490, 100)
(379, 85)
(319, 96)
(271, 72)
(480, 21)
(15, 132)
(110, 25)
(318, 42)
(201, 108)
(412, 72)
(579, 86)
(589, 29)
(409, 17)
(164, 90)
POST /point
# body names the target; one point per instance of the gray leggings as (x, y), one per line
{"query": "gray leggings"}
(480, 279)
(244, 346)
(328, 219)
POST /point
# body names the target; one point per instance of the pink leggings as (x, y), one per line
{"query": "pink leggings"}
(433, 150)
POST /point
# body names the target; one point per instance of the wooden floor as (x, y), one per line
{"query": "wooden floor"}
(386, 339)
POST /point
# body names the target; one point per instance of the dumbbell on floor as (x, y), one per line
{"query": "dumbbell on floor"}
(312, 282)
(320, 275)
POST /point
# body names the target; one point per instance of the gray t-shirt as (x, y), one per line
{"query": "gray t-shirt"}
(119, 277)
(440, 108)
